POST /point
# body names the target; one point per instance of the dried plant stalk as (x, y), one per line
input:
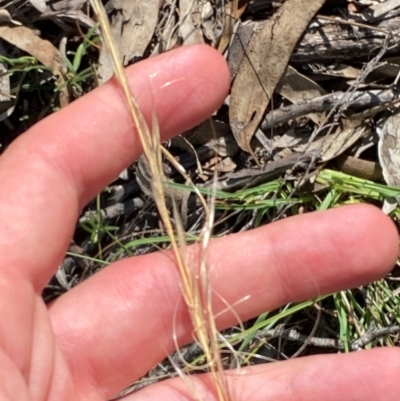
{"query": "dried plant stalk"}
(195, 279)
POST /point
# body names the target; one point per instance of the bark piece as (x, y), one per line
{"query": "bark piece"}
(324, 42)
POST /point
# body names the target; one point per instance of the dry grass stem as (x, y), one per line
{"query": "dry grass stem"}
(195, 279)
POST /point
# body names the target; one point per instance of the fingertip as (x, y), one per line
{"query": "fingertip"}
(375, 233)
(210, 62)
(219, 74)
(81, 149)
(209, 77)
(331, 250)
(190, 81)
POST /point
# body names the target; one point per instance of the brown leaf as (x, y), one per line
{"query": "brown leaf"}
(329, 147)
(232, 11)
(65, 5)
(389, 157)
(298, 88)
(267, 57)
(5, 17)
(7, 101)
(190, 19)
(389, 150)
(40, 5)
(133, 26)
(26, 40)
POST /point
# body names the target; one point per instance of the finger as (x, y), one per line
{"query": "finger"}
(131, 309)
(51, 171)
(363, 376)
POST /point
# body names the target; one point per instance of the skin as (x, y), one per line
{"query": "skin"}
(107, 332)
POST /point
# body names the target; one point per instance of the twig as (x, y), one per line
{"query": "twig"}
(373, 335)
(353, 23)
(294, 335)
(118, 209)
(359, 99)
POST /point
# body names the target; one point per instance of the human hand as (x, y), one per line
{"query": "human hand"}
(102, 335)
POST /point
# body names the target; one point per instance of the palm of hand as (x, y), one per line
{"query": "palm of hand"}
(101, 336)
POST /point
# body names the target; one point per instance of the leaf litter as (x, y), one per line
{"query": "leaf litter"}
(312, 87)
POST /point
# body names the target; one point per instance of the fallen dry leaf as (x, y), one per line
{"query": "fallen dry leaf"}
(329, 147)
(232, 12)
(5, 17)
(298, 88)
(27, 40)
(65, 5)
(7, 101)
(389, 150)
(389, 157)
(267, 56)
(40, 5)
(133, 24)
(190, 19)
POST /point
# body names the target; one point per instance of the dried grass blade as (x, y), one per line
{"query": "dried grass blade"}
(150, 140)
(195, 282)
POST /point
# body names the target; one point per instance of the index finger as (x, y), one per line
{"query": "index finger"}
(61, 163)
